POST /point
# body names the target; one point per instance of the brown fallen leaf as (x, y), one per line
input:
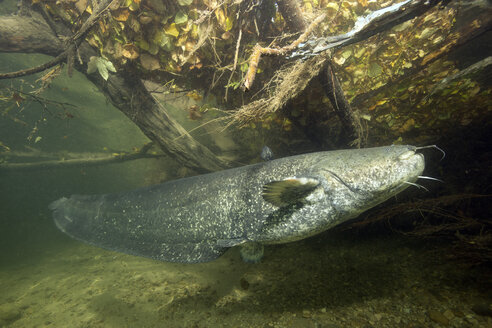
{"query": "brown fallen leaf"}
(121, 15)
(130, 51)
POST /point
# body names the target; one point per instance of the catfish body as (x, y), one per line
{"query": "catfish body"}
(197, 219)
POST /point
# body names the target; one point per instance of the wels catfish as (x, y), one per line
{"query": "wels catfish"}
(197, 219)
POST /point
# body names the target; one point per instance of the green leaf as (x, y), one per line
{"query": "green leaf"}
(160, 39)
(109, 65)
(374, 70)
(153, 49)
(103, 71)
(172, 30)
(185, 2)
(229, 23)
(101, 65)
(346, 54)
(142, 44)
(91, 65)
(244, 67)
(180, 18)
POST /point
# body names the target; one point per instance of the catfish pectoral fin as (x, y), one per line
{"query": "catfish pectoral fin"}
(288, 191)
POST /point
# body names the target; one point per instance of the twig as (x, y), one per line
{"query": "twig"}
(259, 50)
(58, 59)
(236, 54)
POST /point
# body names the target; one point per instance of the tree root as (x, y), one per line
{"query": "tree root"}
(291, 82)
(259, 50)
(461, 219)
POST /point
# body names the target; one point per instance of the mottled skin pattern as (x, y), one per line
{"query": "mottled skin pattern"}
(196, 219)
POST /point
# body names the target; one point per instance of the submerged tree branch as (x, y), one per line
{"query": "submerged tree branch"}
(66, 160)
(364, 28)
(352, 130)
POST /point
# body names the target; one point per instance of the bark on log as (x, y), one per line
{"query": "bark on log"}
(28, 35)
(292, 14)
(133, 99)
(333, 90)
(31, 34)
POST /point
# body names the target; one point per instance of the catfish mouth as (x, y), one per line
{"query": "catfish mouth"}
(411, 164)
(415, 162)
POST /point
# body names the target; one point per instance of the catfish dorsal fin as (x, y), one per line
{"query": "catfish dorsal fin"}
(288, 191)
(266, 153)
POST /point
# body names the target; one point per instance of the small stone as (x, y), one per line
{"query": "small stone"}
(458, 313)
(472, 321)
(438, 317)
(449, 314)
(244, 283)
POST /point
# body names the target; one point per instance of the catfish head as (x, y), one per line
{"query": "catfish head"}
(337, 186)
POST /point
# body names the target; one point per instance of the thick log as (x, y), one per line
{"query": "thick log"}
(28, 35)
(291, 12)
(132, 98)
